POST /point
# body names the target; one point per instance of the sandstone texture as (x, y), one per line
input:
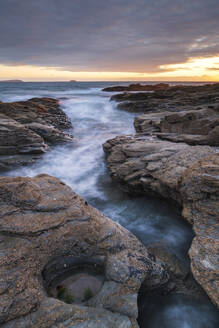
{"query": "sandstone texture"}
(197, 127)
(27, 128)
(145, 163)
(185, 174)
(47, 230)
(200, 194)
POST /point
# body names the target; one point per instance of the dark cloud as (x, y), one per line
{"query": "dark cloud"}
(113, 35)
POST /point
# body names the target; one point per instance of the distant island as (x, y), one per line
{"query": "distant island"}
(72, 81)
(11, 81)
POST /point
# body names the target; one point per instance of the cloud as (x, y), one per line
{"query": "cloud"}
(113, 35)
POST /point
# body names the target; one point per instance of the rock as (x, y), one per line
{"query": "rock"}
(193, 127)
(187, 175)
(149, 165)
(46, 231)
(137, 87)
(181, 280)
(168, 259)
(200, 191)
(129, 97)
(27, 128)
(16, 139)
(18, 145)
(37, 110)
(172, 99)
(53, 313)
(49, 133)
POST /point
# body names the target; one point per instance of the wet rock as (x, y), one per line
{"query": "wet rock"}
(46, 230)
(27, 128)
(181, 280)
(138, 87)
(165, 256)
(187, 175)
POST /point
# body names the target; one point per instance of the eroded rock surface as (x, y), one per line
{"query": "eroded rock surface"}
(185, 174)
(27, 128)
(147, 164)
(46, 230)
(172, 99)
(200, 191)
(193, 127)
(37, 110)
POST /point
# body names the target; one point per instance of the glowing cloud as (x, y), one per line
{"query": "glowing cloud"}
(195, 69)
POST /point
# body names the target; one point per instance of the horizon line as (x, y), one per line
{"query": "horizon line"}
(85, 81)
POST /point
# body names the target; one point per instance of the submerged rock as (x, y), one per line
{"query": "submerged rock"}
(47, 231)
(28, 127)
(182, 173)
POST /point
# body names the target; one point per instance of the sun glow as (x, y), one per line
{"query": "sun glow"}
(195, 69)
(202, 67)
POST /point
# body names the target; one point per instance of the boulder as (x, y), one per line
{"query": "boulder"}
(27, 128)
(47, 232)
(37, 110)
(16, 139)
(187, 175)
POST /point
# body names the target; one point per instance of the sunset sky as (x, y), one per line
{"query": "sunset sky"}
(57, 40)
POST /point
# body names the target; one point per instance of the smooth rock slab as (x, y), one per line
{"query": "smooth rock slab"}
(45, 231)
(148, 165)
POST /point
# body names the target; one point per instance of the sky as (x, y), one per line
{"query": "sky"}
(58, 40)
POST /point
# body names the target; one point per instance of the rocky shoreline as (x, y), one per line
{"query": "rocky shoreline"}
(63, 263)
(174, 155)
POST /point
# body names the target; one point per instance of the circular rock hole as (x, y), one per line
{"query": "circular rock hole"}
(73, 279)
